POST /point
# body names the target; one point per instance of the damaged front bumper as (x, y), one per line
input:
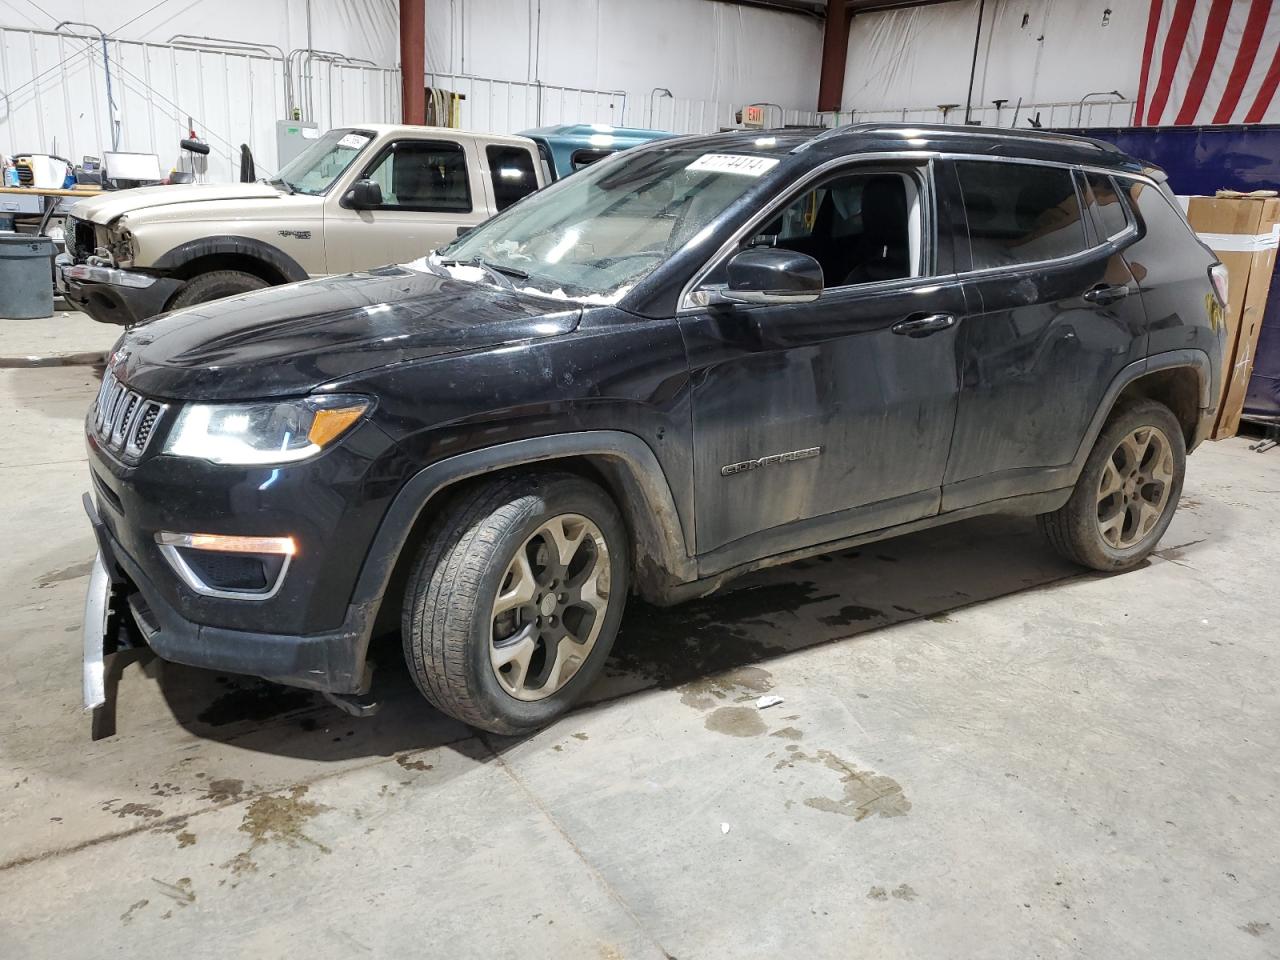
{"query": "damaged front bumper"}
(112, 295)
(97, 607)
(124, 611)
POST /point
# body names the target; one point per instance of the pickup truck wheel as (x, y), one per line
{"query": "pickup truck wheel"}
(215, 286)
(513, 603)
(1127, 492)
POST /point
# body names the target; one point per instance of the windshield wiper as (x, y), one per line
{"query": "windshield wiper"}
(495, 271)
(283, 183)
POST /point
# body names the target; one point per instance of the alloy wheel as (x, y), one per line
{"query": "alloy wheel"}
(550, 607)
(1133, 491)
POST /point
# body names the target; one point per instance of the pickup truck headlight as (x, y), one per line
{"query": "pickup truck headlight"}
(120, 244)
(251, 434)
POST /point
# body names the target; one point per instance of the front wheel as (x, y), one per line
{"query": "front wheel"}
(514, 601)
(214, 286)
(1126, 495)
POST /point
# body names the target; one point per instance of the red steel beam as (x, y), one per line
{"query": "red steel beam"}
(835, 49)
(413, 57)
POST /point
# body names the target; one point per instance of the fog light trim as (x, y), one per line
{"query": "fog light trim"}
(170, 545)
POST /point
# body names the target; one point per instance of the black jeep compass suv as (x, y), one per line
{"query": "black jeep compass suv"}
(690, 360)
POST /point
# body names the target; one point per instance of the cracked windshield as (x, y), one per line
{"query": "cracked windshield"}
(594, 235)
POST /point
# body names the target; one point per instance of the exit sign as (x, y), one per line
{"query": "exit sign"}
(753, 116)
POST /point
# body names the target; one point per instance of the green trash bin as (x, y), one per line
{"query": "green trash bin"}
(26, 276)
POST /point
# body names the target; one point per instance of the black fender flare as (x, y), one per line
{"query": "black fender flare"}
(274, 257)
(663, 560)
(1196, 359)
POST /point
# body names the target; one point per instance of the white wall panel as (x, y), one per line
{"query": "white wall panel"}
(358, 28)
(55, 99)
(700, 50)
(548, 61)
(1044, 51)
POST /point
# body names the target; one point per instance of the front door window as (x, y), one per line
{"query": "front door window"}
(422, 176)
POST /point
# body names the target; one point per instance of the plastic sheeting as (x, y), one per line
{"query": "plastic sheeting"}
(713, 57)
(1040, 50)
(527, 62)
(55, 99)
(368, 29)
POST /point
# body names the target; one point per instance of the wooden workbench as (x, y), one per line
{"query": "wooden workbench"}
(30, 201)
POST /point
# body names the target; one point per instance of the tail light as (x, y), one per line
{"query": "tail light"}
(1218, 274)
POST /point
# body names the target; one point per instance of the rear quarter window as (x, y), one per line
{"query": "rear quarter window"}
(1020, 212)
(1108, 210)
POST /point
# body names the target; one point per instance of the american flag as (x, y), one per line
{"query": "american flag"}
(1210, 61)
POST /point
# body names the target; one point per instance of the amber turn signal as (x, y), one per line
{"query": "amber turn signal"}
(330, 424)
(228, 544)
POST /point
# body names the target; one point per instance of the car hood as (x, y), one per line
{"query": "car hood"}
(113, 203)
(290, 339)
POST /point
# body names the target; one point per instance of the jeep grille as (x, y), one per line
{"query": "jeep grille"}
(123, 420)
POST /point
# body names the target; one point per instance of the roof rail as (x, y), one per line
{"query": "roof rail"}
(832, 132)
(1047, 136)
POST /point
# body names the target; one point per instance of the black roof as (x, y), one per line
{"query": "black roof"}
(897, 137)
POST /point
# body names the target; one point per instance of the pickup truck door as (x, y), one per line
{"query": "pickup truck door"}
(430, 188)
(814, 421)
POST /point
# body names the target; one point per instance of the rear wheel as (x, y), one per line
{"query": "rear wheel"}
(515, 599)
(215, 286)
(1127, 493)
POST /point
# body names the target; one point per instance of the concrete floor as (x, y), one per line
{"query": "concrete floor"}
(982, 752)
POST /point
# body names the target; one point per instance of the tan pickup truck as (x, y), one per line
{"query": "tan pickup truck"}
(358, 197)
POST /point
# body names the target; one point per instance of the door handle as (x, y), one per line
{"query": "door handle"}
(1104, 293)
(921, 325)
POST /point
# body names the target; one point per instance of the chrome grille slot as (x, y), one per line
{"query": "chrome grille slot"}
(123, 419)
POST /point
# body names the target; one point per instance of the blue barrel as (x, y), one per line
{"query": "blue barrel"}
(26, 276)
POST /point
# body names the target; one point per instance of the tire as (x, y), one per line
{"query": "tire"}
(215, 286)
(469, 566)
(1116, 530)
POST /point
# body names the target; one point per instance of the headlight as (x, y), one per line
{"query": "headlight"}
(120, 243)
(262, 433)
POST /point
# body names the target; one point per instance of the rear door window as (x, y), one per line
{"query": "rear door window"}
(513, 174)
(1020, 212)
(1105, 205)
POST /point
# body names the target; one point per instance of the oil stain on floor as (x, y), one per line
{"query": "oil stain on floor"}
(865, 792)
(736, 721)
(256, 701)
(73, 572)
(281, 819)
(668, 647)
(278, 818)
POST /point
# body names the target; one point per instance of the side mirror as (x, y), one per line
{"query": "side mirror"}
(772, 275)
(363, 195)
(463, 231)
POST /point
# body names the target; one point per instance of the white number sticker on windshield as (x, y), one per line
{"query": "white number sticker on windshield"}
(353, 141)
(733, 163)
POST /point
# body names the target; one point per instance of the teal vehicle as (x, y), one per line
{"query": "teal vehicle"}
(572, 146)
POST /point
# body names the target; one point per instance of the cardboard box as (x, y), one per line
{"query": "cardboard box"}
(1243, 232)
